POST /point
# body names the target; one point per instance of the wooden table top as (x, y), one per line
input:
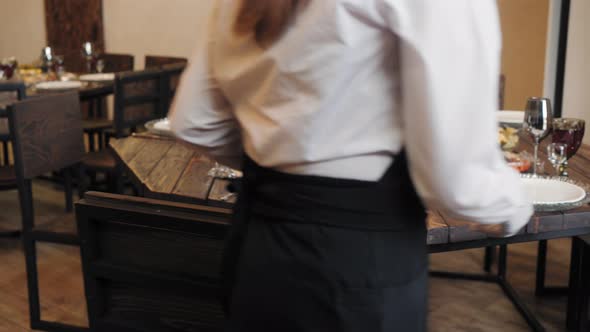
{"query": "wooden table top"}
(165, 168)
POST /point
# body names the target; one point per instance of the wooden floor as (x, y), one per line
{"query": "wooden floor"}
(454, 305)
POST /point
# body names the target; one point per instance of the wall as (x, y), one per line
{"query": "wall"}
(22, 29)
(525, 26)
(155, 27)
(577, 76)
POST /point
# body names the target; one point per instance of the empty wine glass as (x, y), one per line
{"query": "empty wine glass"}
(557, 155)
(99, 65)
(90, 55)
(538, 120)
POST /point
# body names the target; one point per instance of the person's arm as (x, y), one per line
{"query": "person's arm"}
(200, 113)
(450, 61)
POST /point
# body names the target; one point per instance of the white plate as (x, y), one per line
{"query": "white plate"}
(552, 191)
(59, 85)
(160, 127)
(510, 117)
(104, 77)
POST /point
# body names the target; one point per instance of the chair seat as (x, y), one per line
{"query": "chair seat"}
(100, 160)
(96, 124)
(7, 177)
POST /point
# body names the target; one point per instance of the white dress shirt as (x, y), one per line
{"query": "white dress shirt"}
(351, 83)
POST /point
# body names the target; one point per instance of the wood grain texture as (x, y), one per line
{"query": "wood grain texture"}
(438, 230)
(47, 133)
(147, 159)
(461, 230)
(167, 172)
(219, 192)
(70, 23)
(195, 181)
(155, 61)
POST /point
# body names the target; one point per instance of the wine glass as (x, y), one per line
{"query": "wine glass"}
(571, 132)
(557, 155)
(89, 54)
(538, 120)
(99, 65)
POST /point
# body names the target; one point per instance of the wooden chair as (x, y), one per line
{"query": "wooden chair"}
(172, 74)
(139, 97)
(151, 265)
(578, 312)
(97, 122)
(502, 92)
(47, 137)
(13, 91)
(154, 61)
(115, 63)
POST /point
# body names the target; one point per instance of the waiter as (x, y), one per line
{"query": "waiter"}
(351, 115)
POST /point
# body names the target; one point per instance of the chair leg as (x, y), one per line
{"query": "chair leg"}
(91, 142)
(489, 257)
(68, 190)
(82, 184)
(541, 268)
(5, 153)
(579, 287)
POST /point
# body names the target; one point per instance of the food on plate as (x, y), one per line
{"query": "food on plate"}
(508, 138)
(521, 162)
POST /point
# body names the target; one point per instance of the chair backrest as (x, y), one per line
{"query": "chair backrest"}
(151, 265)
(115, 63)
(47, 134)
(172, 74)
(11, 92)
(502, 92)
(140, 96)
(155, 61)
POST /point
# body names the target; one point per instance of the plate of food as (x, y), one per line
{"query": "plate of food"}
(99, 77)
(521, 162)
(551, 193)
(159, 127)
(58, 85)
(510, 118)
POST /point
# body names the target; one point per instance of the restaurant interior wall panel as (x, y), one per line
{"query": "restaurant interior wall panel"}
(154, 27)
(577, 72)
(22, 32)
(524, 27)
(72, 22)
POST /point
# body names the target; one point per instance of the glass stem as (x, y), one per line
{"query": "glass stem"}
(535, 158)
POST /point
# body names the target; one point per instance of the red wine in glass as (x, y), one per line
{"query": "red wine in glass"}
(570, 132)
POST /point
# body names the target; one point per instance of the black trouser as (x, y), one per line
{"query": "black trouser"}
(321, 254)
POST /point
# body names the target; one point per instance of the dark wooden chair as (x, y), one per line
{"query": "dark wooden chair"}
(172, 74)
(502, 92)
(578, 313)
(97, 123)
(155, 61)
(139, 97)
(9, 93)
(47, 137)
(115, 63)
(151, 265)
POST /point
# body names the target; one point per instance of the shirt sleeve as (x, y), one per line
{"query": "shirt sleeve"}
(200, 113)
(449, 67)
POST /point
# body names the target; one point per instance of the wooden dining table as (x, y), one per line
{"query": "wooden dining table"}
(167, 169)
(164, 168)
(89, 91)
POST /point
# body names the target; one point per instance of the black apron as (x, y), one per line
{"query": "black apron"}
(310, 253)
